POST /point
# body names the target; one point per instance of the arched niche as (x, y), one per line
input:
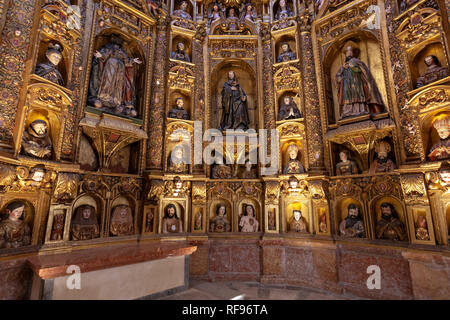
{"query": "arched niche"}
(187, 44)
(368, 51)
(342, 210)
(228, 211)
(125, 199)
(429, 134)
(391, 153)
(336, 149)
(28, 213)
(289, 214)
(179, 136)
(295, 98)
(301, 156)
(375, 210)
(289, 39)
(134, 50)
(65, 63)
(180, 210)
(174, 94)
(255, 204)
(246, 77)
(92, 200)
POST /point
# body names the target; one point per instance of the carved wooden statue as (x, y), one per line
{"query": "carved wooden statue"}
(220, 223)
(181, 12)
(294, 165)
(382, 163)
(271, 219)
(178, 111)
(441, 149)
(171, 222)
(122, 221)
(352, 226)
(390, 227)
(298, 223)
(215, 14)
(422, 229)
(85, 225)
(323, 227)
(35, 139)
(346, 166)
(248, 13)
(57, 228)
(433, 73)
(249, 173)
(284, 11)
(248, 222)
(288, 109)
(286, 54)
(180, 54)
(177, 162)
(49, 69)
(149, 221)
(14, 231)
(198, 221)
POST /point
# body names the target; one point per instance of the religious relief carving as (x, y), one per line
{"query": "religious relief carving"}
(441, 149)
(357, 90)
(57, 228)
(25, 179)
(382, 163)
(234, 103)
(248, 222)
(155, 190)
(176, 188)
(180, 54)
(49, 69)
(272, 192)
(84, 224)
(414, 189)
(112, 84)
(35, 140)
(122, 221)
(220, 223)
(298, 223)
(171, 222)
(352, 226)
(286, 54)
(346, 166)
(288, 109)
(433, 73)
(389, 226)
(14, 231)
(422, 229)
(294, 165)
(178, 111)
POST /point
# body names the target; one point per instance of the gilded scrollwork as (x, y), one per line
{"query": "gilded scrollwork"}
(414, 189)
(66, 187)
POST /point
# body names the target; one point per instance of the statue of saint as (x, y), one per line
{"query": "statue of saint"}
(382, 163)
(112, 83)
(198, 221)
(284, 11)
(286, 54)
(85, 225)
(248, 173)
(215, 14)
(181, 12)
(346, 166)
(248, 13)
(248, 222)
(177, 162)
(271, 219)
(441, 149)
(14, 231)
(352, 226)
(323, 228)
(422, 229)
(288, 110)
(357, 90)
(57, 228)
(390, 227)
(298, 223)
(178, 112)
(294, 165)
(35, 139)
(149, 221)
(234, 104)
(180, 54)
(433, 73)
(171, 222)
(49, 69)
(122, 221)
(232, 20)
(220, 223)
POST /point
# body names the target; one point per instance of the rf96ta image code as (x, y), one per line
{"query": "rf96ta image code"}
(251, 309)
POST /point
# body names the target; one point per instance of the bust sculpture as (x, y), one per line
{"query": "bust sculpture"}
(433, 73)
(390, 227)
(35, 139)
(177, 162)
(180, 54)
(220, 222)
(248, 222)
(178, 111)
(382, 163)
(357, 91)
(181, 12)
(122, 221)
(294, 165)
(346, 166)
(85, 225)
(171, 222)
(14, 231)
(352, 226)
(286, 54)
(288, 109)
(215, 14)
(441, 149)
(298, 223)
(422, 229)
(248, 13)
(284, 11)
(49, 69)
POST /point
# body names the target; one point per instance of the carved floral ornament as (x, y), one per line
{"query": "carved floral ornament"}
(414, 188)
(23, 178)
(418, 27)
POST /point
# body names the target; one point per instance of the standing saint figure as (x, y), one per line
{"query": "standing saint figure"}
(234, 104)
(112, 83)
(357, 91)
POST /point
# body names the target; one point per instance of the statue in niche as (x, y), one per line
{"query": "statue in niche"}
(178, 112)
(433, 73)
(248, 173)
(35, 139)
(122, 221)
(441, 149)
(298, 223)
(49, 69)
(271, 219)
(57, 228)
(323, 228)
(248, 13)
(232, 20)
(382, 163)
(221, 171)
(198, 221)
(14, 231)
(352, 226)
(149, 221)
(390, 227)
(346, 166)
(286, 54)
(215, 14)
(112, 83)
(357, 90)
(422, 229)
(288, 109)
(171, 222)
(181, 12)
(220, 223)
(177, 162)
(284, 11)
(85, 225)
(180, 54)
(248, 222)
(234, 104)
(294, 165)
